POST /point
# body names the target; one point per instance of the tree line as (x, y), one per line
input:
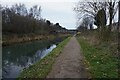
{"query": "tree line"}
(91, 9)
(18, 19)
(102, 14)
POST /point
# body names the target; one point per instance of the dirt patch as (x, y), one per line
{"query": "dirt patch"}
(70, 63)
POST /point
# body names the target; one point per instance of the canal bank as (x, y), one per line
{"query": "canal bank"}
(18, 39)
(43, 67)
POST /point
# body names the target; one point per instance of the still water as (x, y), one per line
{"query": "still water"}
(20, 56)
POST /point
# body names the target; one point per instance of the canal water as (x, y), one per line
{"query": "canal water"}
(17, 57)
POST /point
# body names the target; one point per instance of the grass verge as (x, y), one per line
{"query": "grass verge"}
(43, 67)
(100, 60)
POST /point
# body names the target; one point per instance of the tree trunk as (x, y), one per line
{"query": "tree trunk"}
(110, 23)
(111, 14)
(119, 15)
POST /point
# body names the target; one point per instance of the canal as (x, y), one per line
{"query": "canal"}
(17, 57)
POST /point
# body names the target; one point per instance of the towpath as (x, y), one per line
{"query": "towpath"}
(70, 63)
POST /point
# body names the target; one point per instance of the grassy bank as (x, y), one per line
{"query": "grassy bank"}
(15, 39)
(100, 59)
(43, 67)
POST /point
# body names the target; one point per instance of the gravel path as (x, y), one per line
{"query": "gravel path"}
(69, 64)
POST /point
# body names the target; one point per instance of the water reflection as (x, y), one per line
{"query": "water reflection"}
(18, 57)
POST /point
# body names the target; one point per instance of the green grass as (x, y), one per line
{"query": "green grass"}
(99, 59)
(43, 67)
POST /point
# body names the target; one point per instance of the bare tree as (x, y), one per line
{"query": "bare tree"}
(85, 24)
(35, 12)
(20, 9)
(91, 8)
(112, 8)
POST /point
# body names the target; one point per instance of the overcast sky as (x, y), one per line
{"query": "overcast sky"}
(57, 11)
